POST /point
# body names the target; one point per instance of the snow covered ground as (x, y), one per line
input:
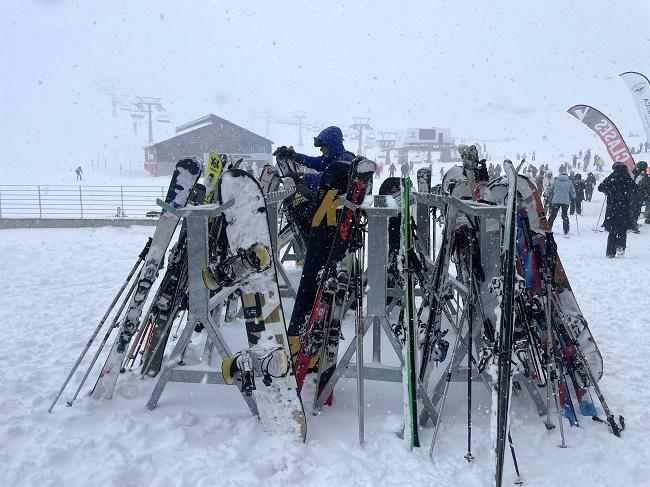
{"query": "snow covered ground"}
(58, 282)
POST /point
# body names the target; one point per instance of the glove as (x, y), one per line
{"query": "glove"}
(285, 152)
(295, 177)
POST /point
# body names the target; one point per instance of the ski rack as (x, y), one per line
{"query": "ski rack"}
(489, 218)
(273, 200)
(200, 309)
(377, 311)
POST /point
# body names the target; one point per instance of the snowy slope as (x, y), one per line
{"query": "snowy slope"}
(58, 282)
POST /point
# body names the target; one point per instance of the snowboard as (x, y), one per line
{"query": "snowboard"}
(299, 210)
(246, 226)
(329, 242)
(333, 184)
(532, 202)
(186, 174)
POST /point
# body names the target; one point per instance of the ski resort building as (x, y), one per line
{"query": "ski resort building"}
(199, 137)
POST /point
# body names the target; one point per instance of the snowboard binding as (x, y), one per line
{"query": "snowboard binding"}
(236, 268)
(271, 363)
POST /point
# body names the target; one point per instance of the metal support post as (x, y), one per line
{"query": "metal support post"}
(273, 201)
(377, 312)
(196, 218)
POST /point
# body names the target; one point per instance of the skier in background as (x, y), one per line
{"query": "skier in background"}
(391, 170)
(560, 194)
(579, 186)
(79, 172)
(575, 159)
(590, 184)
(330, 143)
(405, 169)
(618, 187)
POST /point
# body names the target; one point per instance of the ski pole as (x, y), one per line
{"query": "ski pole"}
(552, 384)
(175, 335)
(135, 346)
(443, 399)
(577, 226)
(518, 480)
(616, 429)
(141, 257)
(359, 331)
(103, 343)
(601, 214)
(470, 327)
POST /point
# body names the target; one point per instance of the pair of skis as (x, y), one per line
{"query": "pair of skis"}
(320, 332)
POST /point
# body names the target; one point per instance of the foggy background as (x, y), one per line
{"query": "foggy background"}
(488, 70)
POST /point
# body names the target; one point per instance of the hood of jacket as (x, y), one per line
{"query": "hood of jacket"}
(332, 138)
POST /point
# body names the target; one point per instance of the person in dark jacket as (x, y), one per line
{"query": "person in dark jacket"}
(391, 170)
(619, 189)
(330, 142)
(560, 195)
(641, 195)
(590, 184)
(576, 203)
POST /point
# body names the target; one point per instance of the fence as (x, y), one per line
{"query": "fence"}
(76, 201)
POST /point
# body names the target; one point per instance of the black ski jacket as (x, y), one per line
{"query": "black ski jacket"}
(620, 190)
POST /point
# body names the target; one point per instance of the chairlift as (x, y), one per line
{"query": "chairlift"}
(164, 118)
(137, 114)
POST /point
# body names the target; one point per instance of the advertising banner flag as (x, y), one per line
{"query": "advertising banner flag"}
(640, 89)
(607, 131)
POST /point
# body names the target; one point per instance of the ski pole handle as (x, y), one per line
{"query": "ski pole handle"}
(145, 250)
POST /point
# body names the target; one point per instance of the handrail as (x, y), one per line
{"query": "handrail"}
(79, 201)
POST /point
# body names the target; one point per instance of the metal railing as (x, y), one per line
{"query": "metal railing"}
(78, 201)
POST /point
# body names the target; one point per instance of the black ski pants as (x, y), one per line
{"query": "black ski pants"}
(616, 239)
(565, 217)
(576, 206)
(589, 191)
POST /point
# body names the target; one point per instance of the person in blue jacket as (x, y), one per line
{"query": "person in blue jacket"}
(330, 142)
(561, 193)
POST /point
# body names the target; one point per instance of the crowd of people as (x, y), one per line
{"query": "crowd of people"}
(627, 192)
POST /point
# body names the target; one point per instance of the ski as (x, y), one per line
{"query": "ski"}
(502, 376)
(409, 376)
(184, 177)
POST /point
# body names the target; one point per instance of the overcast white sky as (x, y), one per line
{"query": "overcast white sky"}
(489, 69)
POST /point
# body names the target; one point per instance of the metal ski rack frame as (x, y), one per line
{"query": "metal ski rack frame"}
(273, 201)
(377, 311)
(200, 308)
(489, 218)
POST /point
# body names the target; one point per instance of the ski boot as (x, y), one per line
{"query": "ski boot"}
(236, 268)
(270, 362)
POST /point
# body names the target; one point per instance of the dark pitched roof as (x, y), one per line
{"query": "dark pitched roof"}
(209, 119)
